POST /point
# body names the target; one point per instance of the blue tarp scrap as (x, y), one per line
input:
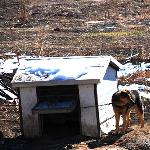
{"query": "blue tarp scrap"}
(41, 72)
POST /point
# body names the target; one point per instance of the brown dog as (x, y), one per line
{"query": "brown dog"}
(123, 102)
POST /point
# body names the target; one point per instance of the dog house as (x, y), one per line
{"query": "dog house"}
(61, 96)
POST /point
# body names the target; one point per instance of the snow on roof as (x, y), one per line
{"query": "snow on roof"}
(63, 68)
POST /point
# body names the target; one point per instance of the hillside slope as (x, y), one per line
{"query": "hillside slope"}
(75, 27)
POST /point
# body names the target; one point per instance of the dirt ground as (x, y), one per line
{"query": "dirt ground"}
(136, 138)
(59, 28)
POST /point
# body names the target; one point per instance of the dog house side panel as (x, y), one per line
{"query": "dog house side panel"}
(30, 120)
(105, 91)
(88, 111)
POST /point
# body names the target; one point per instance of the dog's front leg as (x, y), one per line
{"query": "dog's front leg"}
(117, 117)
(124, 123)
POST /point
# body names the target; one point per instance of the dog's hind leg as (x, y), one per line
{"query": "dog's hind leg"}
(140, 116)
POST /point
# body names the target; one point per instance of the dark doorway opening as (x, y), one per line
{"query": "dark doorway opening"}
(61, 123)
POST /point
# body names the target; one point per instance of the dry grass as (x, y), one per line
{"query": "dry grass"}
(38, 35)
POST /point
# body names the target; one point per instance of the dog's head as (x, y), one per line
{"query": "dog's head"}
(124, 96)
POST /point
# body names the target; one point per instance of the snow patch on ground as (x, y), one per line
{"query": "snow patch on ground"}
(129, 68)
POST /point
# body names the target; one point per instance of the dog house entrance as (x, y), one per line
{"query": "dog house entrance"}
(60, 113)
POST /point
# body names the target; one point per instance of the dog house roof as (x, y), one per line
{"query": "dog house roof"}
(63, 70)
